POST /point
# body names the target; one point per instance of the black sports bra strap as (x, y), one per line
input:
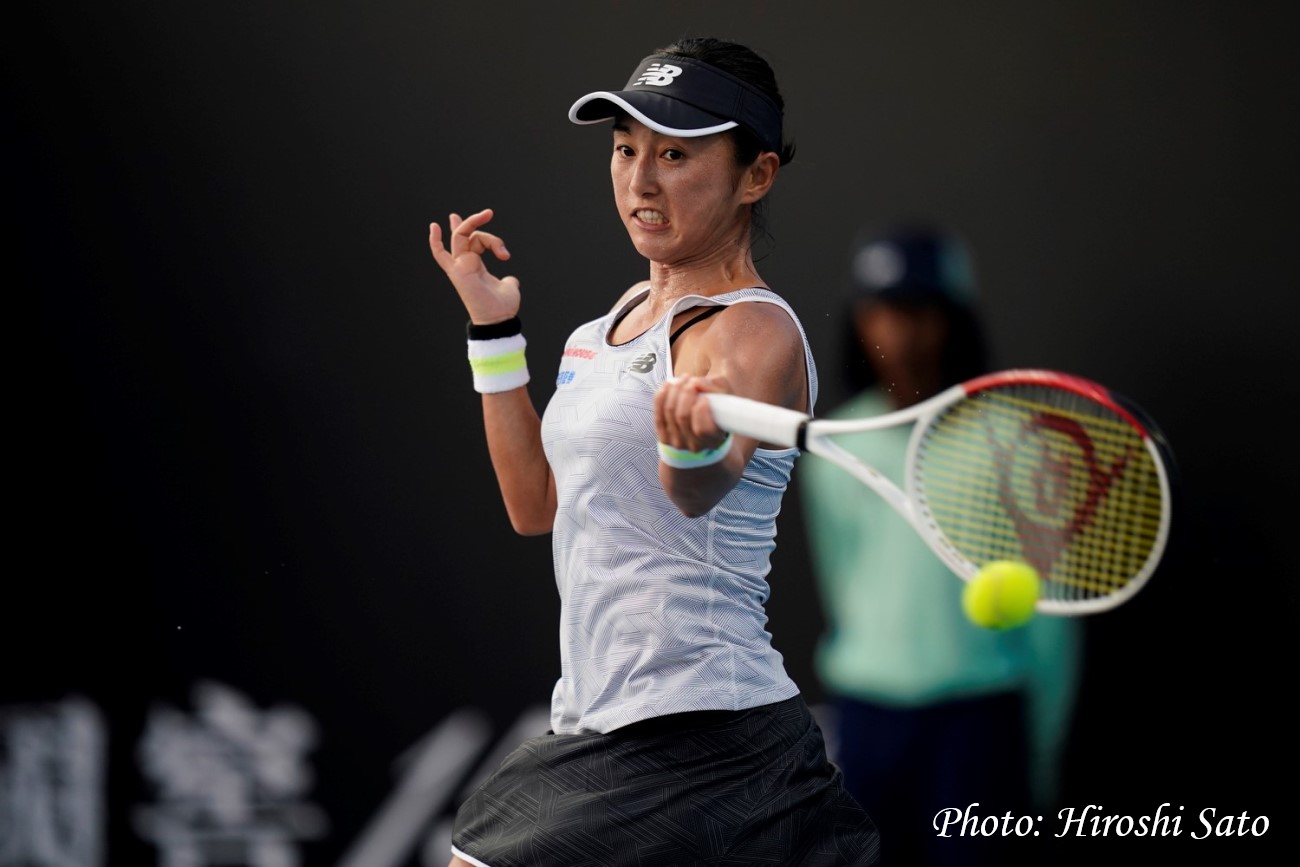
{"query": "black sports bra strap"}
(717, 308)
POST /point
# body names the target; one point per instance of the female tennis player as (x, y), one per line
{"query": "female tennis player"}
(677, 736)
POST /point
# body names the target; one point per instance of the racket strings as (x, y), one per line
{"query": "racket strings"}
(1039, 474)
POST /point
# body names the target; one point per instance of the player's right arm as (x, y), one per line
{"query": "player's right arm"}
(514, 429)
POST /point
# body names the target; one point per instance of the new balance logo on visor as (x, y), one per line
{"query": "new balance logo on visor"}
(659, 74)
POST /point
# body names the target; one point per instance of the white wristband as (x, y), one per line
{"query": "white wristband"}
(498, 364)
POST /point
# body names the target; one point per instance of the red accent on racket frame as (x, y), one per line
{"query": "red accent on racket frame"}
(1076, 384)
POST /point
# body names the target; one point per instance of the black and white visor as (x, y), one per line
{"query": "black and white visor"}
(679, 96)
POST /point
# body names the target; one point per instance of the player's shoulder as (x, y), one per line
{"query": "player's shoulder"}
(763, 314)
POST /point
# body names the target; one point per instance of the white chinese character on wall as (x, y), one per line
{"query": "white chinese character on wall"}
(52, 785)
(231, 782)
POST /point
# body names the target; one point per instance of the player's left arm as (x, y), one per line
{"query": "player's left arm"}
(752, 349)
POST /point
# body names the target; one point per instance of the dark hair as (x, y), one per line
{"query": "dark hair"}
(965, 353)
(745, 64)
(742, 62)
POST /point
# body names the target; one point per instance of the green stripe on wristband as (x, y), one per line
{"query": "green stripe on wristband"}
(494, 364)
(682, 459)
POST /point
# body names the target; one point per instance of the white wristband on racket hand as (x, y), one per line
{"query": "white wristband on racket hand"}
(682, 459)
(497, 358)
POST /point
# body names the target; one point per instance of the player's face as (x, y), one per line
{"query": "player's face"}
(681, 199)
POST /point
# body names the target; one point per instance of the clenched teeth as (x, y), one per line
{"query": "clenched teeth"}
(649, 216)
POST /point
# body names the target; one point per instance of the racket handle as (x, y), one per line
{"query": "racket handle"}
(762, 421)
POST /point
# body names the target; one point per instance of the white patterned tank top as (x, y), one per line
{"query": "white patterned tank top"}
(659, 613)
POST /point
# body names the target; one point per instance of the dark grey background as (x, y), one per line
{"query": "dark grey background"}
(246, 444)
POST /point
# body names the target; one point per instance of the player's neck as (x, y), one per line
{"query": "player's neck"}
(669, 282)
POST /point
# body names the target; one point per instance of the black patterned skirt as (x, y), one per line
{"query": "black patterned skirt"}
(714, 788)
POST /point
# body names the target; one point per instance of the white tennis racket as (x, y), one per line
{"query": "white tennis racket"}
(1050, 469)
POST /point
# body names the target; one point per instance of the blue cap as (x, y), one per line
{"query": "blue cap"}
(919, 263)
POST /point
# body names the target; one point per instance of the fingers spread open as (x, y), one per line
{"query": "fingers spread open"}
(468, 237)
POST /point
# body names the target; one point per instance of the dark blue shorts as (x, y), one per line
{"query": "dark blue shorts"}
(711, 788)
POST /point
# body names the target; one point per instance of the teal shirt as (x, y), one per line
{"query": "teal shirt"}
(896, 633)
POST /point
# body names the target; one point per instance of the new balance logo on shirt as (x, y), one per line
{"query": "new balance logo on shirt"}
(643, 363)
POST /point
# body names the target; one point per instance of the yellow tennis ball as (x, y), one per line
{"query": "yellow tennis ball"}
(1001, 595)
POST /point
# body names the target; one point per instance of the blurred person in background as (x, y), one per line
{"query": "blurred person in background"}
(930, 711)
